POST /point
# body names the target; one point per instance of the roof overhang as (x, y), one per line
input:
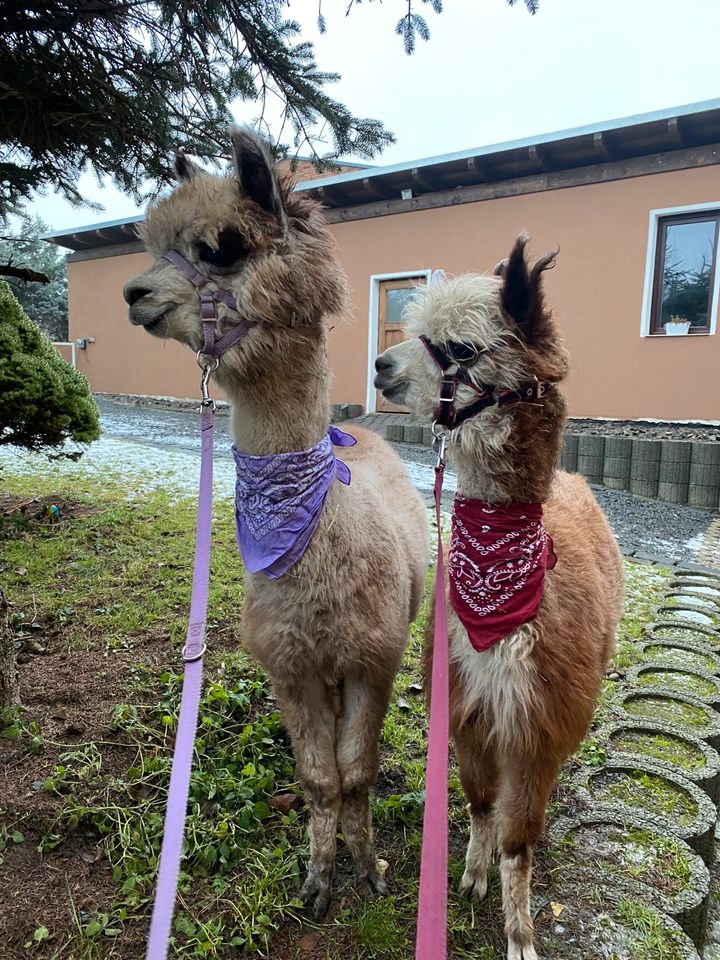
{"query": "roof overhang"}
(662, 132)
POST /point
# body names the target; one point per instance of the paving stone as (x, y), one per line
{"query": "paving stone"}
(627, 547)
(653, 558)
(698, 567)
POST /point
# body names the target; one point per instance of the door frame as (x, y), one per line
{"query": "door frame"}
(373, 321)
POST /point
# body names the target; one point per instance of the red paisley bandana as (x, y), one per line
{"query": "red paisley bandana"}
(497, 562)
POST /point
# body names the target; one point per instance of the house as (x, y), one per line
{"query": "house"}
(633, 204)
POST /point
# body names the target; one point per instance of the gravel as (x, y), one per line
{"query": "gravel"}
(648, 429)
(651, 529)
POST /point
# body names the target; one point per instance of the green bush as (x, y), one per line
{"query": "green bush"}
(43, 401)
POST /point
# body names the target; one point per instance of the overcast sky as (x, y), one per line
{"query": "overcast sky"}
(491, 73)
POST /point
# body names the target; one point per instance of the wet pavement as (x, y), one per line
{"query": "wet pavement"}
(135, 435)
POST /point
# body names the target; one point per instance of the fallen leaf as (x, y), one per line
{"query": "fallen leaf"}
(557, 908)
(284, 802)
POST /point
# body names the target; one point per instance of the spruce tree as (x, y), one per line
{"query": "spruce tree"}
(44, 401)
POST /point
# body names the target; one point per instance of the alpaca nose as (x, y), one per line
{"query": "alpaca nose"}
(133, 293)
(383, 363)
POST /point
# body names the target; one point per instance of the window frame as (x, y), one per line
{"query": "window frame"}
(655, 264)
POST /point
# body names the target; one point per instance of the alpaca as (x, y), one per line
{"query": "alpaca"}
(520, 706)
(331, 629)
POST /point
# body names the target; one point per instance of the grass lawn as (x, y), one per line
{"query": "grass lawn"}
(99, 600)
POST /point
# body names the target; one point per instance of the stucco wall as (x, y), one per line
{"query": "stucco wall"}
(596, 291)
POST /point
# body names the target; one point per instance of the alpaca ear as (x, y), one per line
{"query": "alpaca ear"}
(255, 169)
(522, 295)
(185, 169)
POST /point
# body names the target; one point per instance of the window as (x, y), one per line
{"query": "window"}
(684, 272)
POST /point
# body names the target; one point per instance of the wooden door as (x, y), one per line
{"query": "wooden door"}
(393, 296)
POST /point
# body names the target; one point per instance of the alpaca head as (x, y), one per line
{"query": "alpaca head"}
(497, 326)
(251, 236)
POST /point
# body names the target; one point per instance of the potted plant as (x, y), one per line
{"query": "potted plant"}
(677, 326)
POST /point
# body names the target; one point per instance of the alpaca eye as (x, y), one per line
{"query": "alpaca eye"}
(462, 352)
(231, 248)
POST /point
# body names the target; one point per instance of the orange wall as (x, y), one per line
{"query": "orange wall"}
(596, 291)
(124, 359)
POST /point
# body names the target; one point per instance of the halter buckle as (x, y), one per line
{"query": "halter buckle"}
(447, 390)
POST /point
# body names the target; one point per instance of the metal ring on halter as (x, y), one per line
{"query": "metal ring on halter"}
(440, 435)
(195, 656)
(207, 367)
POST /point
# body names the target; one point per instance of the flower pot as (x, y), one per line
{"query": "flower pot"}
(677, 329)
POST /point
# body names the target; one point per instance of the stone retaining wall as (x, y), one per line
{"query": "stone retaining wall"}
(676, 471)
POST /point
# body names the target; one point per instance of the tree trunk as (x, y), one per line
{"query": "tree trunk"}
(8, 668)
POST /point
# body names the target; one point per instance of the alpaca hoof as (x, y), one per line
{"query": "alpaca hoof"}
(315, 895)
(371, 885)
(474, 886)
(516, 951)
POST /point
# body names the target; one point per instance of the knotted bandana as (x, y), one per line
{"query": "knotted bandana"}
(497, 561)
(279, 499)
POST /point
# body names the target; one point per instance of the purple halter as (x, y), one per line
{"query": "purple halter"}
(209, 299)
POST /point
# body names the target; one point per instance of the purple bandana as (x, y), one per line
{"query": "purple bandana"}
(279, 499)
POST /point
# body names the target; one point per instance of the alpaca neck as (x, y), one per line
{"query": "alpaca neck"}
(509, 457)
(283, 406)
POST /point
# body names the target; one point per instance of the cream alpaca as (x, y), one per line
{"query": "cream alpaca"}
(331, 632)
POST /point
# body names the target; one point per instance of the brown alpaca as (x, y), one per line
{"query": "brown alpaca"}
(521, 707)
(331, 631)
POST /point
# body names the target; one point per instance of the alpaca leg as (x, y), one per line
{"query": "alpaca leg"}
(359, 729)
(310, 716)
(525, 791)
(479, 777)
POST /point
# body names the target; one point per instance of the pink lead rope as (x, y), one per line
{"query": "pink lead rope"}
(431, 943)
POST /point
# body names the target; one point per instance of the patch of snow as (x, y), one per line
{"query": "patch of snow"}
(423, 476)
(695, 543)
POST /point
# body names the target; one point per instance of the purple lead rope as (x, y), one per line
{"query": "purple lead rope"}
(194, 649)
(190, 701)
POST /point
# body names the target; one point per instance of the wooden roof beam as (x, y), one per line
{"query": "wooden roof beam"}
(329, 196)
(84, 239)
(675, 132)
(380, 191)
(600, 146)
(536, 156)
(421, 178)
(479, 166)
